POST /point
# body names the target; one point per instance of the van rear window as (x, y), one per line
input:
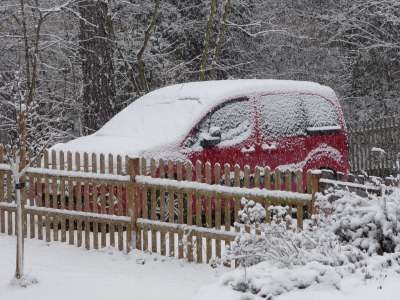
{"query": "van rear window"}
(320, 112)
(292, 115)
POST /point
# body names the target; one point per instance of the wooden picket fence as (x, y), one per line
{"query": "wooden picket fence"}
(196, 208)
(171, 208)
(366, 139)
(362, 184)
(69, 205)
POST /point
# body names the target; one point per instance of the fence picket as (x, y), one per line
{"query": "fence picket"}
(237, 184)
(246, 176)
(144, 205)
(198, 196)
(227, 201)
(179, 177)
(2, 197)
(55, 205)
(32, 185)
(278, 179)
(95, 207)
(153, 207)
(171, 211)
(79, 222)
(208, 180)
(119, 164)
(267, 185)
(120, 238)
(111, 225)
(111, 199)
(288, 187)
(257, 177)
(217, 178)
(189, 205)
(47, 195)
(70, 200)
(162, 208)
(103, 189)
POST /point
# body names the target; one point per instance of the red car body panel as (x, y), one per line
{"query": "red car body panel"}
(329, 150)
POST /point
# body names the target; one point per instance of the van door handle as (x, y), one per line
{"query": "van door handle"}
(250, 149)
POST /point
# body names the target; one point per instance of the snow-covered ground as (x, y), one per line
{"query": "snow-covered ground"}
(336, 256)
(351, 289)
(67, 272)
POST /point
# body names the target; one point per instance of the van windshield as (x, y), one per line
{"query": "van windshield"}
(286, 115)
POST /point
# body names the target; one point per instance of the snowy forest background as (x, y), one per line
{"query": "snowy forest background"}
(73, 64)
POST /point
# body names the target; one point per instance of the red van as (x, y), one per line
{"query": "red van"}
(275, 123)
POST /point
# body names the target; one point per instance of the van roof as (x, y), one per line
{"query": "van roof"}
(209, 93)
(165, 116)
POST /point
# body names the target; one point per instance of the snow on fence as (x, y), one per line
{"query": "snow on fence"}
(361, 184)
(174, 209)
(375, 146)
(68, 205)
(191, 211)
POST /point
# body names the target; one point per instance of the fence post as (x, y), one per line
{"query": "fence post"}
(132, 204)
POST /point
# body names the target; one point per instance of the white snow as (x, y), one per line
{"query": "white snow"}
(5, 167)
(250, 149)
(350, 184)
(292, 114)
(78, 174)
(323, 128)
(378, 150)
(204, 187)
(74, 213)
(337, 252)
(327, 271)
(164, 117)
(187, 228)
(271, 146)
(352, 287)
(66, 272)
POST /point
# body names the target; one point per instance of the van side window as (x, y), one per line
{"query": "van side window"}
(233, 118)
(282, 115)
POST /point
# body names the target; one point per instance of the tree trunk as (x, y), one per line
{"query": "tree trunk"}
(207, 38)
(222, 32)
(19, 269)
(96, 40)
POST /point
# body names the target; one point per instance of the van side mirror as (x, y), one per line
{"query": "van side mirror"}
(212, 138)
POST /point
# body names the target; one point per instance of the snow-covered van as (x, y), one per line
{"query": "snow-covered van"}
(286, 124)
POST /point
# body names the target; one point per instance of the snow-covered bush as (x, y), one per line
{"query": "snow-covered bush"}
(275, 242)
(371, 224)
(252, 212)
(344, 238)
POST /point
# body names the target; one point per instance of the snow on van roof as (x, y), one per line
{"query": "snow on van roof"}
(164, 117)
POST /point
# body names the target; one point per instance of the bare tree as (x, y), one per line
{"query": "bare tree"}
(26, 114)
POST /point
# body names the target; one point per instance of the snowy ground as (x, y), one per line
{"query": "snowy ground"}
(351, 288)
(67, 272)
